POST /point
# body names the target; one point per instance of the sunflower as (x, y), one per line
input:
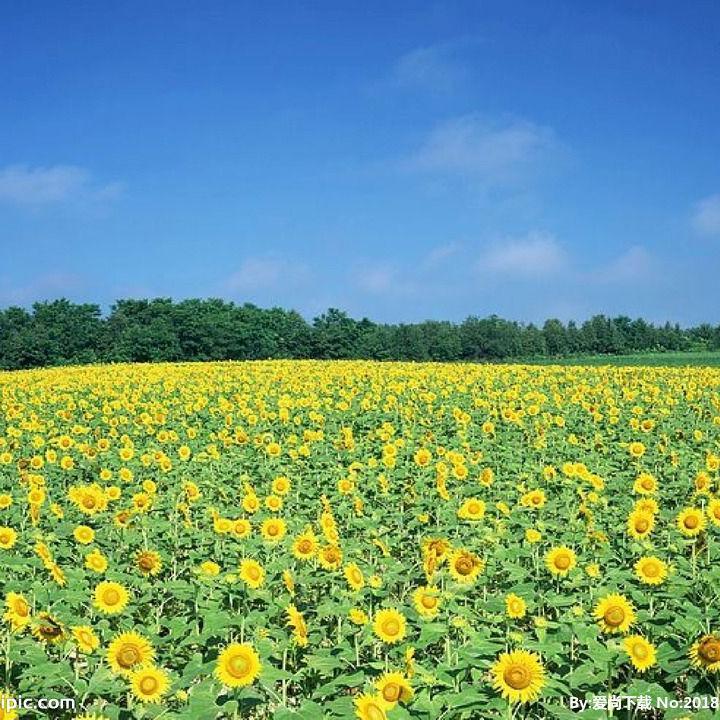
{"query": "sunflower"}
(8, 538)
(651, 570)
(713, 511)
(691, 521)
(371, 707)
(330, 557)
(394, 687)
(465, 566)
(281, 485)
(305, 545)
(614, 613)
(358, 616)
(532, 535)
(705, 653)
(209, 568)
(110, 598)
(645, 484)
(6, 714)
(48, 629)
(640, 524)
(646, 505)
(148, 562)
(642, 653)
(252, 573)
(149, 684)
(515, 606)
(355, 578)
(426, 600)
(472, 509)
(533, 499)
(273, 529)
(389, 625)
(84, 534)
(241, 528)
(128, 652)
(237, 665)
(560, 560)
(519, 676)
(18, 611)
(86, 639)
(96, 561)
(636, 449)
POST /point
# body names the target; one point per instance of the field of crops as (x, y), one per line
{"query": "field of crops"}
(306, 540)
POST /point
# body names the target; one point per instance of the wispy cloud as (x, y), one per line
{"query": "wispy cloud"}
(266, 273)
(632, 265)
(47, 286)
(431, 68)
(535, 254)
(489, 152)
(28, 186)
(706, 216)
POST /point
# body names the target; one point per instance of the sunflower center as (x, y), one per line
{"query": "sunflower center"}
(640, 652)
(614, 616)
(651, 569)
(238, 666)
(391, 692)
(146, 563)
(710, 650)
(305, 546)
(463, 566)
(691, 522)
(111, 596)
(517, 677)
(149, 685)
(391, 627)
(642, 525)
(474, 508)
(253, 573)
(562, 562)
(128, 656)
(429, 601)
(21, 608)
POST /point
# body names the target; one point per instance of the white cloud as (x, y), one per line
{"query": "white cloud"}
(634, 264)
(24, 185)
(48, 286)
(706, 216)
(262, 273)
(491, 152)
(427, 67)
(536, 254)
(441, 253)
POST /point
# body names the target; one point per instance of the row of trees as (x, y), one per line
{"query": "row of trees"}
(61, 332)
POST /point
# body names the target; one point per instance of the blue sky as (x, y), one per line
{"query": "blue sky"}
(398, 160)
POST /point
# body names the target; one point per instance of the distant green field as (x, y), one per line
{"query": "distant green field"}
(667, 359)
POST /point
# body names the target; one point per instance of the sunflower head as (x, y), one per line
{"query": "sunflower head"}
(705, 653)
(426, 600)
(389, 625)
(110, 598)
(149, 684)
(519, 676)
(394, 687)
(128, 652)
(237, 665)
(560, 560)
(651, 570)
(614, 613)
(642, 653)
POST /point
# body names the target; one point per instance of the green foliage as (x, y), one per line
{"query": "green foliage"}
(64, 333)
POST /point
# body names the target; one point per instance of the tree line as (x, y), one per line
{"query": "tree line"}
(63, 333)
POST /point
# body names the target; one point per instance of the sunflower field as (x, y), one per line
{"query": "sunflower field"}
(307, 539)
